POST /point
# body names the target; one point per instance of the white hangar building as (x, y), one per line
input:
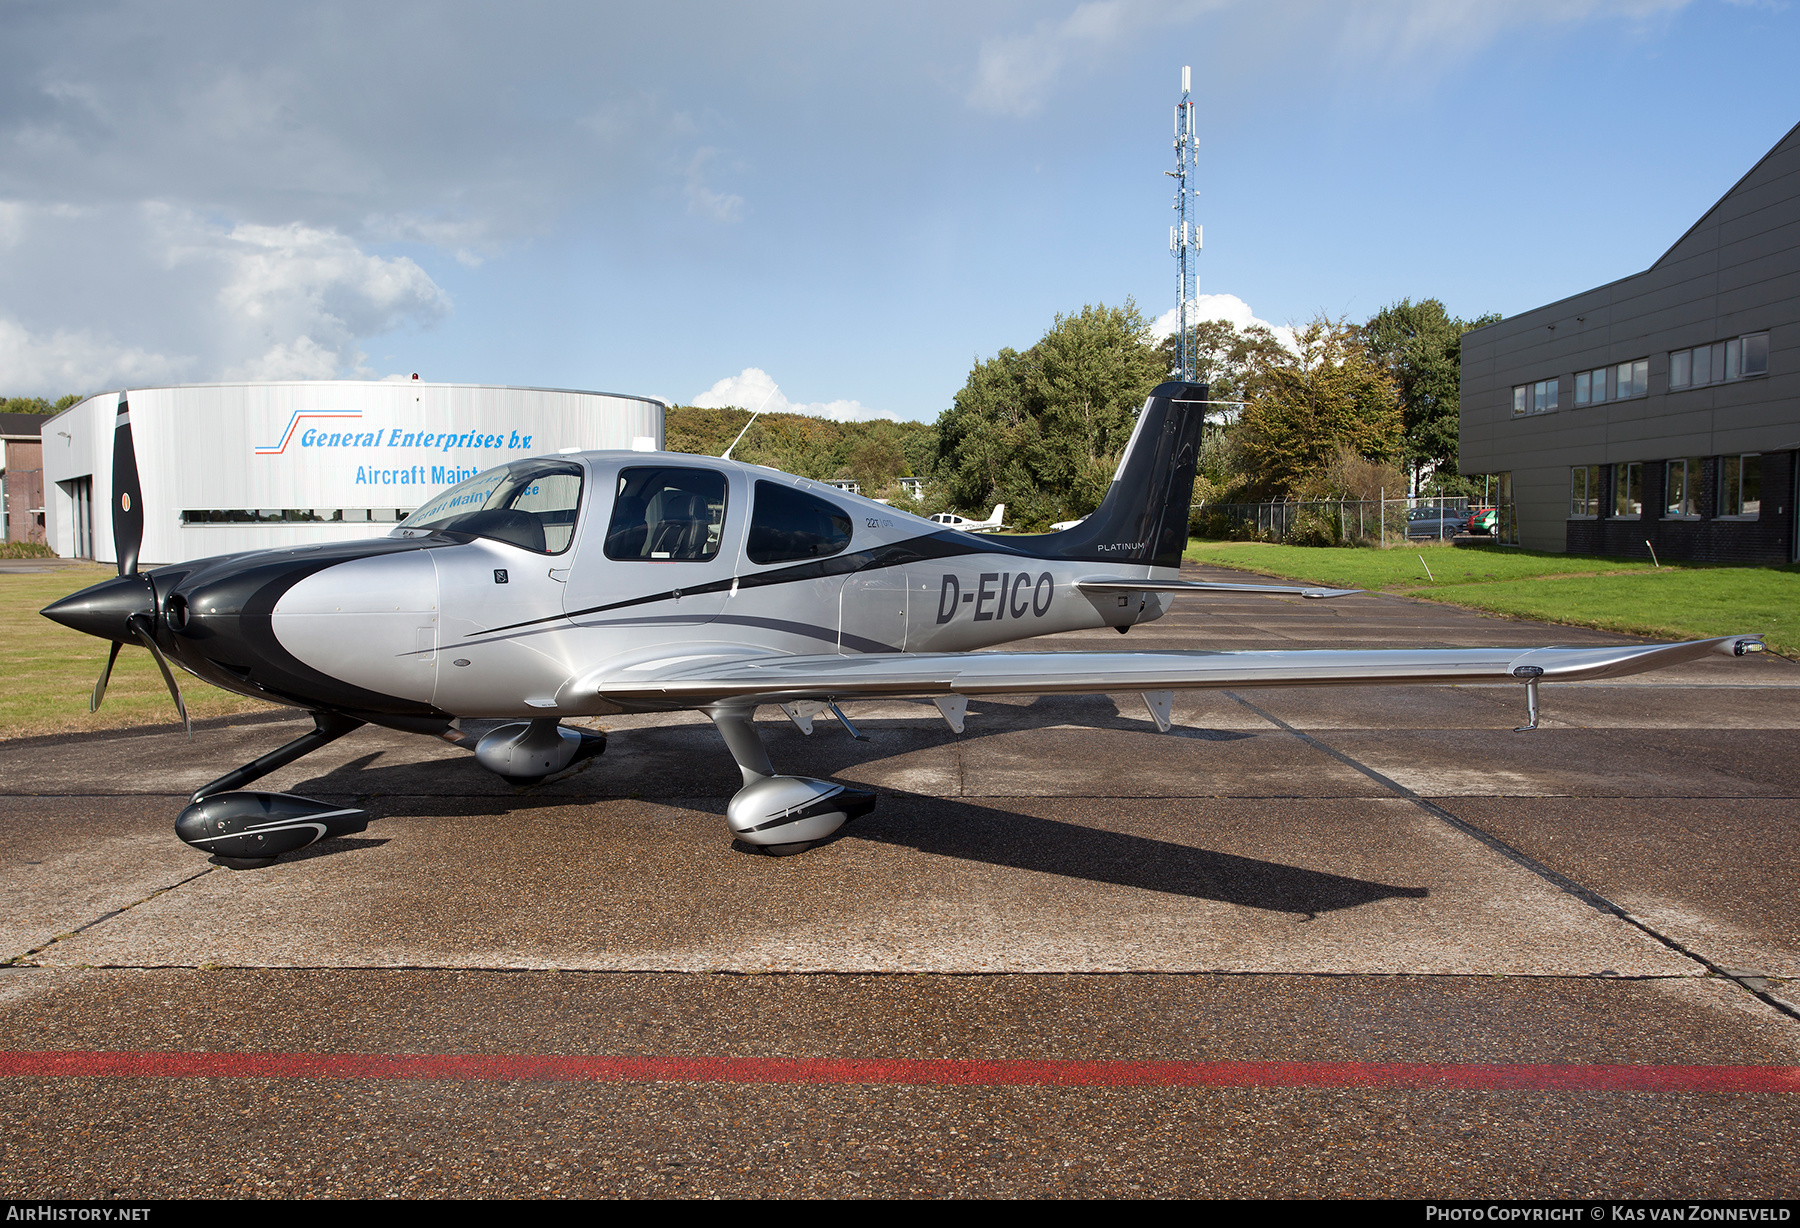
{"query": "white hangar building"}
(230, 467)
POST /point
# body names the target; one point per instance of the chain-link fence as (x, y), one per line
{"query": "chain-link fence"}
(1333, 522)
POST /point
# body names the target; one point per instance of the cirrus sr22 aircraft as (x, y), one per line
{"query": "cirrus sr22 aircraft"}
(599, 583)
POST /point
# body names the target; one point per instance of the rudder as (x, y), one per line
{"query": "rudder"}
(1144, 517)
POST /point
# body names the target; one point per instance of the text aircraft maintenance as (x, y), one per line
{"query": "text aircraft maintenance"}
(599, 583)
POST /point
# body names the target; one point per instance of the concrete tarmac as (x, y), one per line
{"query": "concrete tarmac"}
(1340, 887)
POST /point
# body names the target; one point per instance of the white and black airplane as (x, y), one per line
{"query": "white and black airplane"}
(993, 523)
(599, 583)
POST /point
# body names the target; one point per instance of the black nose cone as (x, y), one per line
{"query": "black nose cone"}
(104, 609)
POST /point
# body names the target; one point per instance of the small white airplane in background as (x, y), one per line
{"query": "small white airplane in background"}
(1060, 525)
(598, 583)
(951, 520)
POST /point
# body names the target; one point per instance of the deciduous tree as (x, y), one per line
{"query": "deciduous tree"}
(1224, 356)
(1042, 431)
(1303, 408)
(1420, 345)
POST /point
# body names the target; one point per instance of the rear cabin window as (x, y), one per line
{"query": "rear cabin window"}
(789, 524)
(667, 514)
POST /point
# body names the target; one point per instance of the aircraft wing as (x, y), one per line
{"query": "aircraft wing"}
(1125, 584)
(780, 679)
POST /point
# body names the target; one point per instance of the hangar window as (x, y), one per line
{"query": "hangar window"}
(1628, 490)
(1631, 379)
(1540, 398)
(530, 504)
(1740, 486)
(667, 514)
(789, 524)
(1681, 488)
(293, 515)
(1590, 387)
(1722, 360)
(1584, 491)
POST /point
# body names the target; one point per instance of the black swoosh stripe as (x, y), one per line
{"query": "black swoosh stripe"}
(913, 550)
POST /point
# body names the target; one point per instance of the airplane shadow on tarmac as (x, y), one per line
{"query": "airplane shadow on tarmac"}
(948, 827)
(945, 827)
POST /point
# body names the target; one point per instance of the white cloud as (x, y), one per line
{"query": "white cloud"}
(753, 389)
(701, 199)
(1014, 74)
(467, 238)
(1227, 307)
(1432, 31)
(303, 296)
(82, 362)
(193, 299)
(12, 223)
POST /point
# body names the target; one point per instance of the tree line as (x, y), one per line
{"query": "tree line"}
(1349, 411)
(38, 405)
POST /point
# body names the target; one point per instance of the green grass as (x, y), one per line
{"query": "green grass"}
(50, 670)
(1676, 601)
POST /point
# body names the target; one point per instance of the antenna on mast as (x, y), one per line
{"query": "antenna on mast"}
(1184, 236)
(726, 454)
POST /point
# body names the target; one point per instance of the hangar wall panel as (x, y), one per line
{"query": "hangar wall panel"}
(367, 451)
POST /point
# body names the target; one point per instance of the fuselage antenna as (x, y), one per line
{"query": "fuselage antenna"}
(726, 455)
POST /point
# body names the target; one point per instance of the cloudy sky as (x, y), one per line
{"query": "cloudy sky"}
(830, 207)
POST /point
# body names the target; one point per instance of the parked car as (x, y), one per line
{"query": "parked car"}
(1483, 520)
(1434, 522)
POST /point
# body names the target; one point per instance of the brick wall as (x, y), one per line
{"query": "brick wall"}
(1709, 539)
(24, 490)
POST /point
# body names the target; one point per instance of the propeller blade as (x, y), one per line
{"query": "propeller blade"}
(128, 495)
(141, 624)
(105, 677)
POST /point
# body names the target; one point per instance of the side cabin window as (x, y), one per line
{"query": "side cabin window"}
(667, 514)
(531, 505)
(789, 524)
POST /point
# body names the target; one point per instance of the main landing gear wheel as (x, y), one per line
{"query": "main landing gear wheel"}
(780, 815)
(783, 850)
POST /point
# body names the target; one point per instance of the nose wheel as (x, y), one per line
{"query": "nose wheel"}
(245, 830)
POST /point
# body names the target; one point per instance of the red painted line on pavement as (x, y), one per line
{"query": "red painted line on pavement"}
(925, 1072)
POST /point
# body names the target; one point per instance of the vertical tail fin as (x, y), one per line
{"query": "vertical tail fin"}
(1144, 517)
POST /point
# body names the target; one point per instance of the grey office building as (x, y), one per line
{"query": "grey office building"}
(1662, 410)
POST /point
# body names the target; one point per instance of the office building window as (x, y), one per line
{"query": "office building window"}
(1631, 379)
(1721, 361)
(1584, 491)
(1681, 487)
(1628, 490)
(1543, 396)
(1590, 387)
(1740, 486)
(1521, 399)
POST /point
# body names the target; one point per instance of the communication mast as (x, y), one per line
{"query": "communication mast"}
(1184, 236)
